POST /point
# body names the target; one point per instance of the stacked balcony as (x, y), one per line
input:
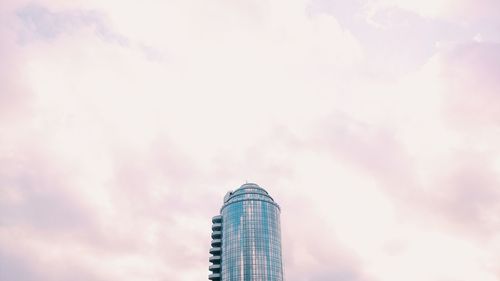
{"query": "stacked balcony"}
(216, 249)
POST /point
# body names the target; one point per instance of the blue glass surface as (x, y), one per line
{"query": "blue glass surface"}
(251, 239)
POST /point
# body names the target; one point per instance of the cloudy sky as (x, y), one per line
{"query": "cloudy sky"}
(375, 124)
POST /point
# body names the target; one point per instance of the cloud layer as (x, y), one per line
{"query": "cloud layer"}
(374, 124)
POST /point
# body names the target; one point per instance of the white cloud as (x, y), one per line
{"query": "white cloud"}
(134, 152)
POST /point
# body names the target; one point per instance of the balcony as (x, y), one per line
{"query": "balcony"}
(214, 259)
(217, 226)
(215, 268)
(214, 276)
(216, 234)
(216, 243)
(215, 250)
(217, 219)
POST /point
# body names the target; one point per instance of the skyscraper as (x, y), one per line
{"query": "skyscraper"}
(246, 237)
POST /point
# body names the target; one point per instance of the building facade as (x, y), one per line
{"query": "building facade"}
(246, 237)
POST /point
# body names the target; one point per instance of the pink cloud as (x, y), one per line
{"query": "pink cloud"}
(112, 163)
(469, 196)
(471, 72)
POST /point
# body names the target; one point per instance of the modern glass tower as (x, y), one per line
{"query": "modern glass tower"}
(246, 237)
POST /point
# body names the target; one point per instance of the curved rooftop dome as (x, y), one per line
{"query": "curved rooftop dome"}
(248, 191)
(250, 187)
